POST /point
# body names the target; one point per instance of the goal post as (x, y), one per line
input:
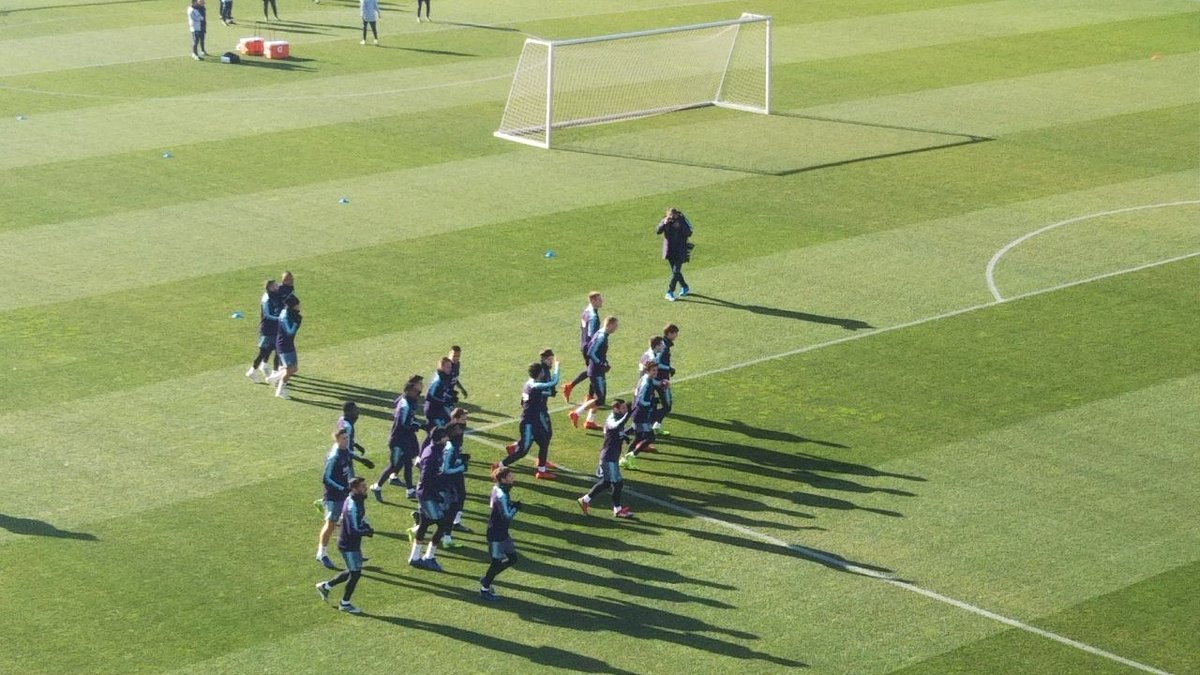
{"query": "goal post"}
(569, 83)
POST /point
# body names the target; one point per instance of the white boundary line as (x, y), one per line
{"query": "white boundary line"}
(990, 273)
(841, 564)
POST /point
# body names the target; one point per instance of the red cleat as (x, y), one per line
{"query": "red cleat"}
(511, 447)
(647, 448)
(551, 465)
(583, 505)
(544, 475)
(567, 391)
(574, 418)
(592, 426)
(623, 513)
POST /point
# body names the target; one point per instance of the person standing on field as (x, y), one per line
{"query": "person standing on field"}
(198, 24)
(675, 229)
(370, 14)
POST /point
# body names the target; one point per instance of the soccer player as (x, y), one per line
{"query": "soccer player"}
(609, 472)
(270, 305)
(432, 499)
(535, 419)
(456, 386)
(336, 482)
(369, 9)
(675, 229)
(439, 397)
(285, 345)
(403, 439)
(500, 544)
(347, 421)
(643, 415)
(456, 481)
(589, 323)
(349, 543)
(597, 363)
(665, 372)
(426, 3)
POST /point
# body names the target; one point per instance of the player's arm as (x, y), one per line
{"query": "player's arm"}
(266, 309)
(615, 423)
(508, 508)
(449, 466)
(363, 460)
(328, 478)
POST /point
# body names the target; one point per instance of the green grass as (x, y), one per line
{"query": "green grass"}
(1034, 458)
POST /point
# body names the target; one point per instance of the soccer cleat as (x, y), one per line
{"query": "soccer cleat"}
(574, 415)
(281, 392)
(196, 56)
(511, 447)
(488, 594)
(592, 426)
(684, 291)
(670, 296)
(348, 608)
(583, 505)
(567, 388)
(551, 465)
(416, 517)
(324, 560)
(661, 431)
(378, 492)
(362, 42)
(412, 533)
(629, 461)
(542, 474)
(376, 42)
(320, 504)
(450, 543)
(431, 564)
(203, 53)
(622, 512)
(253, 375)
(411, 493)
(397, 482)
(459, 527)
(323, 590)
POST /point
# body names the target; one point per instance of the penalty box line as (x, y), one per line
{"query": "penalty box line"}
(841, 564)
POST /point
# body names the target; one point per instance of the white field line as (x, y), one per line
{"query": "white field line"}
(837, 562)
(990, 273)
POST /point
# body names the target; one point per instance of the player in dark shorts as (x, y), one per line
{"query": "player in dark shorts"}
(354, 528)
(456, 385)
(500, 544)
(597, 360)
(439, 397)
(645, 398)
(456, 482)
(270, 305)
(609, 470)
(285, 345)
(431, 495)
(403, 440)
(665, 372)
(535, 419)
(589, 323)
(335, 481)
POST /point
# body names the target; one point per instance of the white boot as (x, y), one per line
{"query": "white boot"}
(281, 391)
(253, 375)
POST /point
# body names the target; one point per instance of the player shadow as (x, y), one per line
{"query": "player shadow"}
(594, 613)
(275, 64)
(40, 528)
(39, 8)
(337, 405)
(438, 52)
(298, 28)
(848, 324)
(466, 24)
(344, 391)
(541, 655)
(739, 427)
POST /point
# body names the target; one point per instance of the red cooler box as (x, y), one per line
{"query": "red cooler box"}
(251, 46)
(275, 49)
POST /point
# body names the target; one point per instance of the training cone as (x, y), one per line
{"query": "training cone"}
(344, 200)
(167, 155)
(549, 254)
(20, 118)
(1155, 56)
(237, 315)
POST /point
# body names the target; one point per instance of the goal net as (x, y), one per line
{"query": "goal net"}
(569, 83)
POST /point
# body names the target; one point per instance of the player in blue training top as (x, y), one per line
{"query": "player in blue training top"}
(535, 424)
(455, 486)
(336, 482)
(270, 305)
(403, 440)
(597, 360)
(349, 543)
(456, 385)
(665, 373)
(645, 398)
(609, 471)
(500, 544)
(589, 323)
(285, 345)
(437, 463)
(439, 397)
(347, 421)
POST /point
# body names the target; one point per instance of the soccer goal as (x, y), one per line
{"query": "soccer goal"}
(569, 83)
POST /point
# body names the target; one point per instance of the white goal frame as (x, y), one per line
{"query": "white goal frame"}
(538, 132)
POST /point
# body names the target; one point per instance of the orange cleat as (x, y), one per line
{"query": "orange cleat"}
(567, 391)
(544, 475)
(511, 447)
(592, 426)
(574, 418)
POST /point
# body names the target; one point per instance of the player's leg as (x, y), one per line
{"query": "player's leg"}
(354, 567)
(522, 446)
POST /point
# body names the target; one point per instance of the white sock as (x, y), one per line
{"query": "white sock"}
(447, 540)
(616, 508)
(591, 415)
(582, 408)
(321, 552)
(656, 425)
(375, 486)
(415, 555)
(430, 552)
(458, 518)
(586, 499)
(281, 388)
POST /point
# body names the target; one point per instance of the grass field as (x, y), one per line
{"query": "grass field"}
(938, 379)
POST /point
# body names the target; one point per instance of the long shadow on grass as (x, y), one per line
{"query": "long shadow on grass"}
(739, 427)
(848, 324)
(40, 528)
(345, 391)
(590, 613)
(543, 655)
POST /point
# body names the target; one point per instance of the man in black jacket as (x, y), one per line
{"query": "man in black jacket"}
(675, 230)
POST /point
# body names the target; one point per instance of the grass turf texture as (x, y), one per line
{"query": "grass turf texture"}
(1031, 457)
